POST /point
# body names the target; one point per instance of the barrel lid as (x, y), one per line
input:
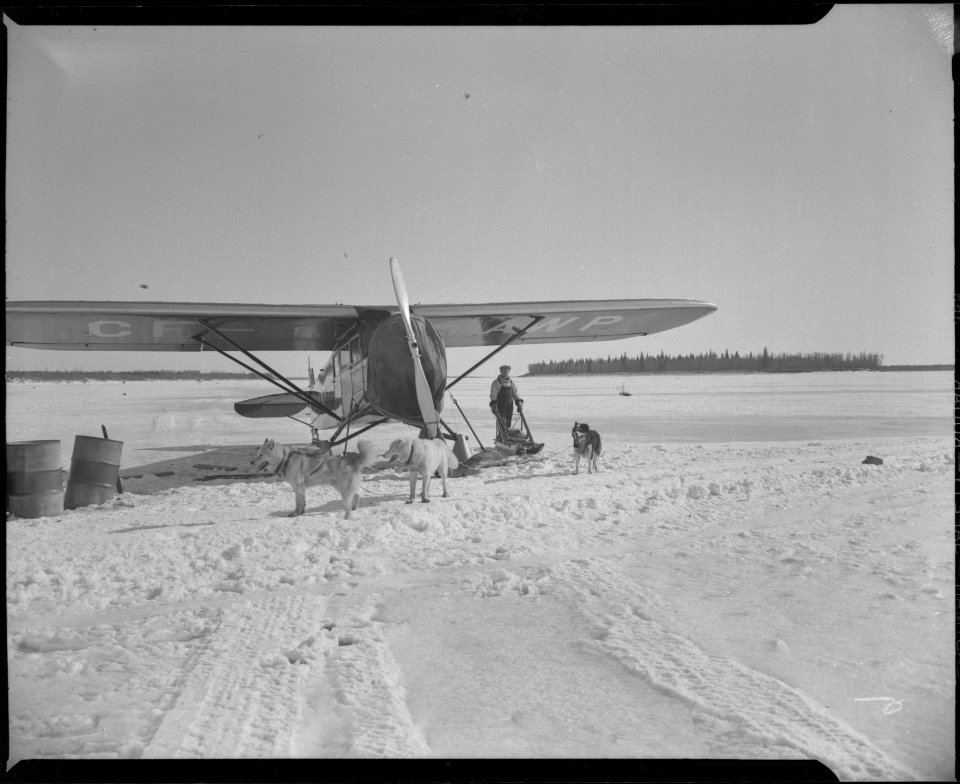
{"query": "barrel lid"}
(28, 443)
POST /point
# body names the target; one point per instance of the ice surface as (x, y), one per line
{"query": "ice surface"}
(734, 582)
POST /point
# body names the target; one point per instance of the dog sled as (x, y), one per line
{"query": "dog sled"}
(515, 438)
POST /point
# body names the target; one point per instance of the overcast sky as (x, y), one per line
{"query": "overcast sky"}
(799, 177)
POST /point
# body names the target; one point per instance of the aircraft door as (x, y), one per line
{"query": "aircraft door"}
(327, 384)
(352, 372)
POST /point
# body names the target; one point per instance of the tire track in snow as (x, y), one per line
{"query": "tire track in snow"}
(240, 696)
(367, 684)
(497, 670)
(764, 710)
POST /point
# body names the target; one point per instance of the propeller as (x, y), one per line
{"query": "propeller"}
(431, 421)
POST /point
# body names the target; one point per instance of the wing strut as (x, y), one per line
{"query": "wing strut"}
(286, 386)
(354, 435)
(501, 347)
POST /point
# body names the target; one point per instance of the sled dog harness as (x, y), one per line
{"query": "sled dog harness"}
(285, 463)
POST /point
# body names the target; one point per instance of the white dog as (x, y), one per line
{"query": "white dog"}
(423, 457)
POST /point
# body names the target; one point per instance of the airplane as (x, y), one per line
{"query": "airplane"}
(387, 363)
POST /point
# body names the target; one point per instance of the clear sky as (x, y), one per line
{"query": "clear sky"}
(799, 177)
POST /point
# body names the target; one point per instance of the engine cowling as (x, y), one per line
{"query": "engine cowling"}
(390, 373)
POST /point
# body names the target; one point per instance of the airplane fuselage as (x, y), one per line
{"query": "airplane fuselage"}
(369, 373)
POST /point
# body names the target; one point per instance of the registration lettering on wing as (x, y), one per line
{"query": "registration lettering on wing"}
(108, 328)
(555, 324)
(161, 330)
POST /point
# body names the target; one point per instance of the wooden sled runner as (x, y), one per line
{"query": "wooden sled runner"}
(515, 439)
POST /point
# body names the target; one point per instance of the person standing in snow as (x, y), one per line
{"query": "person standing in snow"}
(503, 393)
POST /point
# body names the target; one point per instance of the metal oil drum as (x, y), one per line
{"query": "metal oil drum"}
(94, 468)
(34, 479)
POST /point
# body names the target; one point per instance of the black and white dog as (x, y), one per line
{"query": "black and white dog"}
(586, 444)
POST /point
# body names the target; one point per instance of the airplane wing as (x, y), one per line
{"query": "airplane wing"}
(282, 405)
(166, 326)
(169, 326)
(560, 322)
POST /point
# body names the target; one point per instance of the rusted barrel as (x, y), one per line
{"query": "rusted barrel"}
(94, 468)
(34, 479)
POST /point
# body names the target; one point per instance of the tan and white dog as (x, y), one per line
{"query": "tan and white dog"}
(586, 444)
(310, 466)
(423, 457)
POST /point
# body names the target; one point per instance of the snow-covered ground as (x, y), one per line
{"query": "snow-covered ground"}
(733, 583)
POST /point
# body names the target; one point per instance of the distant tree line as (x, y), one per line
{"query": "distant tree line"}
(710, 362)
(120, 375)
